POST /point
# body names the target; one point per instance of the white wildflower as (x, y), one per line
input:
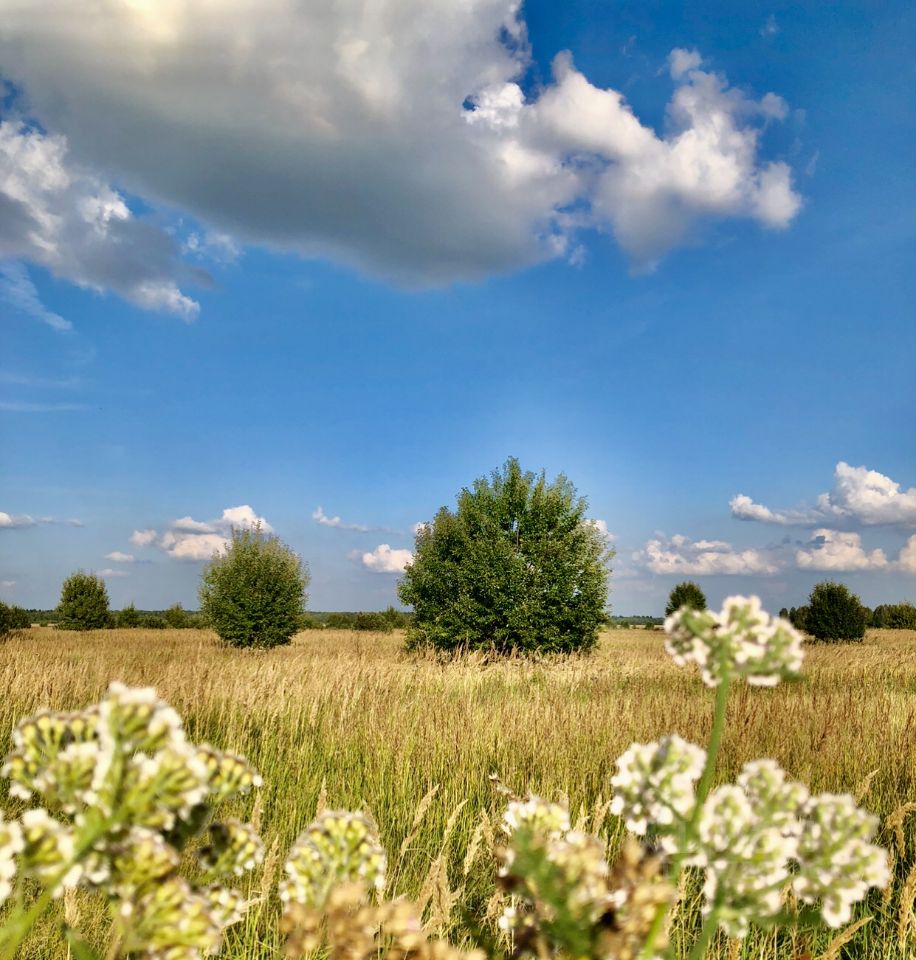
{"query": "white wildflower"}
(741, 640)
(837, 862)
(549, 820)
(655, 784)
(48, 851)
(11, 844)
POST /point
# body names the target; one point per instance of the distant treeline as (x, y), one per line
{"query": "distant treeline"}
(640, 620)
(889, 616)
(177, 618)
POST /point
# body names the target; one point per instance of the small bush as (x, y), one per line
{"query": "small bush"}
(84, 603)
(128, 617)
(686, 594)
(12, 620)
(152, 621)
(177, 617)
(253, 594)
(835, 614)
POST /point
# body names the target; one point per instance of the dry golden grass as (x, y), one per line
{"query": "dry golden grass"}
(348, 717)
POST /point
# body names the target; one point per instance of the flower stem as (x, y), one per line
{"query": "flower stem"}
(706, 934)
(705, 784)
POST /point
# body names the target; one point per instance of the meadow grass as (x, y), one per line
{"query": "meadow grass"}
(348, 720)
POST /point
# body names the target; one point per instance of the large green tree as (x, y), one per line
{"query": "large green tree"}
(835, 613)
(516, 567)
(253, 593)
(83, 603)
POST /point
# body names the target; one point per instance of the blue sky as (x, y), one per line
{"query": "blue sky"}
(360, 259)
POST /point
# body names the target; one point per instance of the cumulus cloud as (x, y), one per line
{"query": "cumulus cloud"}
(601, 527)
(190, 539)
(143, 538)
(55, 213)
(907, 559)
(394, 136)
(120, 557)
(839, 551)
(319, 516)
(679, 555)
(858, 496)
(385, 560)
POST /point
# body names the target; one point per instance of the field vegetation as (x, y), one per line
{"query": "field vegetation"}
(346, 719)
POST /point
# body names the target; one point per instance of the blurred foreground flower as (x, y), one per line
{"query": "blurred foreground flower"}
(120, 797)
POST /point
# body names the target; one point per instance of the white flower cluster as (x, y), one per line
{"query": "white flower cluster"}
(741, 640)
(655, 784)
(536, 815)
(753, 838)
(121, 793)
(338, 847)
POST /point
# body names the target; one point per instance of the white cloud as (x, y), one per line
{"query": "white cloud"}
(17, 289)
(190, 539)
(23, 520)
(192, 546)
(319, 516)
(143, 538)
(859, 496)
(907, 559)
(10, 522)
(18, 406)
(601, 527)
(679, 555)
(56, 213)
(412, 106)
(109, 572)
(770, 28)
(835, 550)
(385, 560)
(7, 584)
(120, 557)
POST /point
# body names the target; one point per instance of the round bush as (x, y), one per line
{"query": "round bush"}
(516, 567)
(686, 594)
(835, 614)
(253, 594)
(83, 603)
(12, 620)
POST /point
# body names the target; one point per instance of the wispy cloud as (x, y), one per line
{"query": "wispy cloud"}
(25, 406)
(43, 383)
(109, 572)
(23, 520)
(336, 523)
(120, 557)
(17, 289)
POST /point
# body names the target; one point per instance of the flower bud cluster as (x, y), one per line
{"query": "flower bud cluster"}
(655, 784)
(741, 640)
(339, 847)
(120, 793)
(564, 896)
(754, 839)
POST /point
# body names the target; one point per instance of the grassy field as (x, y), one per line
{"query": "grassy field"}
(348, 717)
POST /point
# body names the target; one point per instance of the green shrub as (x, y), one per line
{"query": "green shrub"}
(516, 567)
(177, 617)
(686, 594)
(84, 603)
(253, 594)
(152, 621)
(12, 620)
(895, 616)
(834, 613)
(128, 617)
